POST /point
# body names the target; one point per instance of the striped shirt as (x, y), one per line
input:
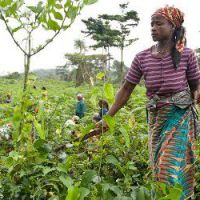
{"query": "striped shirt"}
(159, 74)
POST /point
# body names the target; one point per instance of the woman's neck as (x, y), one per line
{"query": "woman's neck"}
(165, 44)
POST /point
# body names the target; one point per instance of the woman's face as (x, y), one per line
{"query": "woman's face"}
(161, 29)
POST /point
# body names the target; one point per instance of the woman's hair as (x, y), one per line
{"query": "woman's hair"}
(103, 102)
(179, 34)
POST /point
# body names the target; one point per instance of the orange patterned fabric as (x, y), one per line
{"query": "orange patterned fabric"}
(171, 145)
(176, 17)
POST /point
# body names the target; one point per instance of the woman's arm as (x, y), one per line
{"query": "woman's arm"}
(121, 97)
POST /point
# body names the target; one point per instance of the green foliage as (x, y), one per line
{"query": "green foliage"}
(109, 92)
(113, 166)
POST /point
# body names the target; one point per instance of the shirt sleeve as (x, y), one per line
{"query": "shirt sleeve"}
(134, 73)
(193, 72)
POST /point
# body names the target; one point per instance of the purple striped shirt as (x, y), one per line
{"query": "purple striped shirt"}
(160, 75)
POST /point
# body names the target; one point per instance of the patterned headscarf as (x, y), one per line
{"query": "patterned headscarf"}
(176, 17)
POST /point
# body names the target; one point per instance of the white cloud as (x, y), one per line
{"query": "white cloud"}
(11, 59)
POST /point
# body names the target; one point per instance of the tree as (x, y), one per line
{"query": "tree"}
(48, 15)
(116, 70)
(125, 22)
(100, 31)
(86, 65)
(14, 75)
(80, 44)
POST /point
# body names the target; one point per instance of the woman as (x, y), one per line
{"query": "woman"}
(171, 74)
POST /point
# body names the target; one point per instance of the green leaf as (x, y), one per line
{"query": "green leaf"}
(87, 177)
(175, 192)
(4, 3)
(131, 165)
(16, 29)
(41, 132)
(57, 15)
(42, 18)
(110, 121)
(42, 146)
(58, 6)
(33, 9)
(68, 182)
(141, 194)
(62, 168)
(86, 129)
(72, 12)
(68, 4)
(163, 187)
(100, 75)
(109, 92)
(12, 9)
(89, 2)
(84, 193)
(15, 155)
(51, 2)
(112, 160)
(73, 193)
(124, 130)
(46, 170)
(53, 25)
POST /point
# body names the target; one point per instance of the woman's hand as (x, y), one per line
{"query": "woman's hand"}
(196, 95)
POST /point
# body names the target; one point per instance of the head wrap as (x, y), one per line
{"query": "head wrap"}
(80, 97)
(176, 18)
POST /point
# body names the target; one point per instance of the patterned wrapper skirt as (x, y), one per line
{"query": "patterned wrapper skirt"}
(171, 145)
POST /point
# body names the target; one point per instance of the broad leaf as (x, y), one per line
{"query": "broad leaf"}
(109, 92)
(57, 15)
(89, 2)
(68, 182)
(53, 25)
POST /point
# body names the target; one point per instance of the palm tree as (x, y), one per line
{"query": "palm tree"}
(80, 45)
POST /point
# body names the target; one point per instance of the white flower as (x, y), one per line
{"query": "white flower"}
(69, 145)
(69, 122)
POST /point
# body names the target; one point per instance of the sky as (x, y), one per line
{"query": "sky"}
(11, 58)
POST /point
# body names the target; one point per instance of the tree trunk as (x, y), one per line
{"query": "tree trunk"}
(108, 65)
(79, 75)
(27, 59)
(121, 75)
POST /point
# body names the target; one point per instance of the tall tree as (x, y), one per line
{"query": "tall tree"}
(22, 18)
(80, 44)
(100, 31)
(49, 15)
(86, 65)
(116, 70)
(125, 21)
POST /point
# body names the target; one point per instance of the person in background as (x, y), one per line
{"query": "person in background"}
(44, 93)
(104, 107)
(8, 98)
(80, 106)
